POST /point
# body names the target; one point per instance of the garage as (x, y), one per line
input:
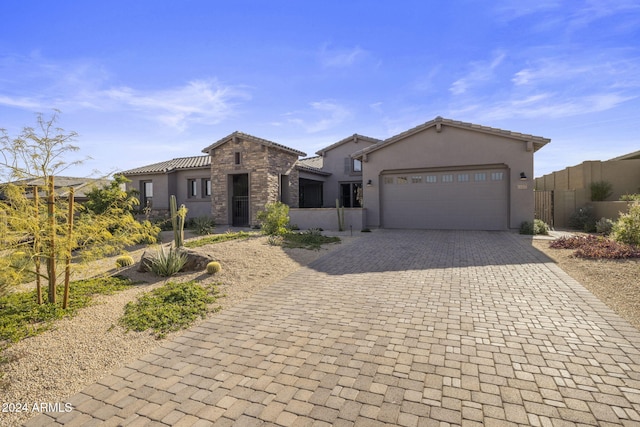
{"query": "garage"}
(451, 199)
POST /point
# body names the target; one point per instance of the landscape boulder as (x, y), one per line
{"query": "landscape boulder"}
(196, 261)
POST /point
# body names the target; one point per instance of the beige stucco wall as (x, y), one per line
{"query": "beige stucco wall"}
(327, 218)
(263, 164)
(160, 189)
(454, 147)
(199, 205)
(334, 162)
(572, 185)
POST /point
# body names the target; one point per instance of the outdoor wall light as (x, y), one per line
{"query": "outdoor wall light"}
(369, 183)
(523, 177)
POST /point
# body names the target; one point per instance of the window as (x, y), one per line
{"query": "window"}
(463, 177)
(416, 179)
(356, 166)
(388, 180)
(402, 180)
(236, 158)
(497, 176)
(431, 179)
(351, 195)
(206, 187)
(146, 191)
(192, 188)
(480, 176)
(447, 178)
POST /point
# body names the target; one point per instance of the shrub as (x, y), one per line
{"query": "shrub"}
(630, 197)
(583, 219)
(604, 226)
(365, 230)
(167, 263)
(214, 267)
(311, 239)
(275, 240)
(124, 261)
(274, 218)
(627, 228)
(533, 228)
(171, 307)
(202, 225)
(600, 190)
(596, 247)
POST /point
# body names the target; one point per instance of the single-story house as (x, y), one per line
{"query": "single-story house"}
(443, 174)
(571, 187)
(62, 186)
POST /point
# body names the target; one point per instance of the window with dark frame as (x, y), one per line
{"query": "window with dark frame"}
(192, 188)
(206, 187)
(236, 158)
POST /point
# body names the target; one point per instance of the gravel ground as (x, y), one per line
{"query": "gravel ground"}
(79, 351)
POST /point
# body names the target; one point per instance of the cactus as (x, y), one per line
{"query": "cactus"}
(340, 215)
(213, 267)
(177, 221)
(124, 261)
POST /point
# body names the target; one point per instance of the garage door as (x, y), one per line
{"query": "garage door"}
(474, 199)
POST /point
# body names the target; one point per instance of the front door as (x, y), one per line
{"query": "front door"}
(240, 200)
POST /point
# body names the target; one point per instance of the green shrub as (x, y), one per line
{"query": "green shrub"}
(124, 261)
(534, 228)
(604, 226)
(311, 239)
(167, 263)
(214, 267)
(600, 190)
(583, 219)
(275, 240)
(202, 225)
(365, 230)
(171, 307)
(627, 228)
(630, 197)
(274, 219)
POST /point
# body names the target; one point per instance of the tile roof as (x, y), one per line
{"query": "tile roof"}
(353, 137)
(171, 165)
(538, 141)
(312, 165)
(62, 184)
(255, 139)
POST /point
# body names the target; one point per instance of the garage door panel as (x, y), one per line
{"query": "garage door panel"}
(468, 199)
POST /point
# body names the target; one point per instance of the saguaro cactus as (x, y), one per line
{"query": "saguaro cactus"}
(340, 215)
(177, 221)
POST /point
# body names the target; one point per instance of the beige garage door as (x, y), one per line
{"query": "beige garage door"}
(475, 199)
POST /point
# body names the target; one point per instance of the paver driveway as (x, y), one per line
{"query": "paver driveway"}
(398, 328)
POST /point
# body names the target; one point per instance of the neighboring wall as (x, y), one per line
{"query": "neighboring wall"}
(571, 186)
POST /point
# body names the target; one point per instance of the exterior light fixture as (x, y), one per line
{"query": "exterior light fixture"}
(523, 177)
(369, 183)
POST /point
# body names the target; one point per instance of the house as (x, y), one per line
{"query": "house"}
(571, 187)
(62, 185)
(443, 174)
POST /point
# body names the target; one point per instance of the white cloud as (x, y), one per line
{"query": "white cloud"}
(85, 85)
(481, 71)
(341, 58)
(323, 115)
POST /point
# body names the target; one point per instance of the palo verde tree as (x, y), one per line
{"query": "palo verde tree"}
(38, 226)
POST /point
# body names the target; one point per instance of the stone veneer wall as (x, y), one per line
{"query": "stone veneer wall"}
(263, 164)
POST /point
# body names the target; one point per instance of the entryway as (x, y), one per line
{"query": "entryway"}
(240, 200)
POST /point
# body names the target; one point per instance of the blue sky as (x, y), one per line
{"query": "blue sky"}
(145, 81)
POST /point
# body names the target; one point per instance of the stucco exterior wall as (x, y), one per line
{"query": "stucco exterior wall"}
(334, 162)
(200, 205)
(454, 147)
(160, 189)
(327, 218)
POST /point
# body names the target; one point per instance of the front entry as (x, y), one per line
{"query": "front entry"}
(240, 200)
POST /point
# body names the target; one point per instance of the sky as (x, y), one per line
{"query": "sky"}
(150, 80)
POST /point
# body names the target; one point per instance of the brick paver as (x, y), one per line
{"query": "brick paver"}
(403, 328)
